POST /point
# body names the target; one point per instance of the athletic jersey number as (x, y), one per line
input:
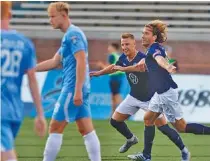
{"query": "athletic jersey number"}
(11, 65)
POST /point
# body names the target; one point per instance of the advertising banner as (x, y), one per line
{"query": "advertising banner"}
(194, 95)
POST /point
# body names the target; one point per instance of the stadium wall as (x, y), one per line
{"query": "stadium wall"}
(192, 56)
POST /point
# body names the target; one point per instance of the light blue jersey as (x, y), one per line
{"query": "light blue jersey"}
(17, 56)
(73, 41)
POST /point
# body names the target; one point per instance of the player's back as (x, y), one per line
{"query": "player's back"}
(160, 79)
(73, 41)
(17, 56)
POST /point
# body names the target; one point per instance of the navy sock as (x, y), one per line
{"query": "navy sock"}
(149, 134)
(197, 129)
(172, 135)
(122, 128)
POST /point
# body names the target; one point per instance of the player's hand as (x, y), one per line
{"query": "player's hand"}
(94, 74)
(171, 69)
(78, 98)
(40, 126)
(141, 66)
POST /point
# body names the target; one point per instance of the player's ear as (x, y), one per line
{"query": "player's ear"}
(154, 37)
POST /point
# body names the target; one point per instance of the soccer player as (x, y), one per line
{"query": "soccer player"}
(116, 77)
(17, 58)
(165, 99)
(73, 102)
(139, 96)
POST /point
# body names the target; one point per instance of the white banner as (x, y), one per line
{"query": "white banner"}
(194, 97)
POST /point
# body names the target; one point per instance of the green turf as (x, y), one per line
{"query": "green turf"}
(30, 147)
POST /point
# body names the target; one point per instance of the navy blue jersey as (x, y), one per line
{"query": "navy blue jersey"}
(138, 81)
(160, 79)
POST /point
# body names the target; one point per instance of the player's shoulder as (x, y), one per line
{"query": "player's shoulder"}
(74, 30)
(17, 36)
(156, 47)
(122, 56)
(141, 54)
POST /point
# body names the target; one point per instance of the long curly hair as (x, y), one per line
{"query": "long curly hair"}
(159, 28)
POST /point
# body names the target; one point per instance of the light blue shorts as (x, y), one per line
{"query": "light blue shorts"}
(66, 110)
(9, 131)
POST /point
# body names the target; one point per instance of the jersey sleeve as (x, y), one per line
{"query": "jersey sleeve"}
(77, 42)
(31, 56)
(111, 59)
(156, 51)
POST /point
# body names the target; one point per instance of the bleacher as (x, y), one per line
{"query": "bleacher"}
(110, 18)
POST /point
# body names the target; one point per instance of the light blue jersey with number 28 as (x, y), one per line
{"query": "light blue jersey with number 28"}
(17, 56)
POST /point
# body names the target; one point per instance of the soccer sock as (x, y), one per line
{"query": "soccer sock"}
(172, 135)
(52, 147)
(149, 134)
(92, 144)
(122, 128)
(197, 129)
(11, 160)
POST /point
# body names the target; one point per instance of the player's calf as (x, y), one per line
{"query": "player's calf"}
(122, 128)
(194, 128)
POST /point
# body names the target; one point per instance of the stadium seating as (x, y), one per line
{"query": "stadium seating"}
(182, 17)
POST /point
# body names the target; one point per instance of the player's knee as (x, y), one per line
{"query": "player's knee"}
(56, 128)
(82, 131)
(148, 121)
(180, 129)
(180, 125)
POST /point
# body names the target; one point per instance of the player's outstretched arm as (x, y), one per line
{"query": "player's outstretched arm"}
(108, 70)
(134, 68)
(164, 64)
(40, 122)
(49, 64)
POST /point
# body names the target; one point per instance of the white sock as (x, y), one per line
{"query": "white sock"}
(11, 160)
(131, 139)
(52, 146)
(92, 144)
(185, 150)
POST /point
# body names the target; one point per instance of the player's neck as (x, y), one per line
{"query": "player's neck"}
(132, 56)
(5, 24)
(65, 26)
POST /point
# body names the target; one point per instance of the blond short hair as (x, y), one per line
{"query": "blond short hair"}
(60, 7)
(127, 35)
(159, 28)
(6, 7)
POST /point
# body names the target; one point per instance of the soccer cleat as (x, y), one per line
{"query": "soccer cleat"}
(138, 157)
(128, 144)
(186, 156)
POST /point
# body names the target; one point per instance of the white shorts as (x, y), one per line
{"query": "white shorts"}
(168, 104)
(131, 105)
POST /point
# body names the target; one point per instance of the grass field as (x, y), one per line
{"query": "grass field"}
(30, 147)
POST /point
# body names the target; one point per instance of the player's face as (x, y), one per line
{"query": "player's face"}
(128, 46)
(56, 18)
(147, 37)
